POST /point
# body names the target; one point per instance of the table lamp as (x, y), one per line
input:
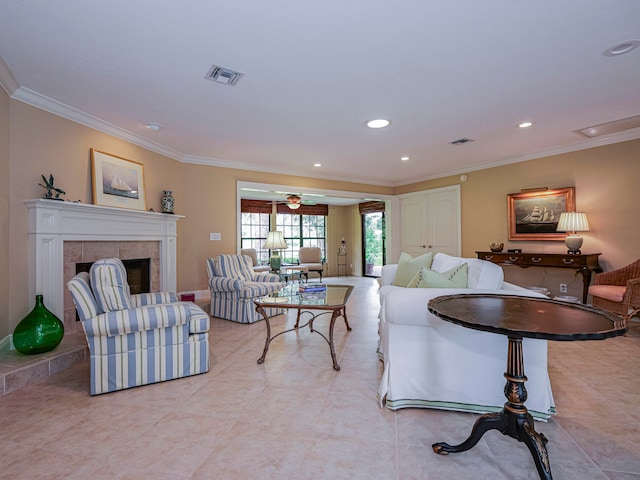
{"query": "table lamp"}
(275, 241)
(572, 222)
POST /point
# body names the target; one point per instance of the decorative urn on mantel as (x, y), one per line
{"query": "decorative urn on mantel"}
(167, 201)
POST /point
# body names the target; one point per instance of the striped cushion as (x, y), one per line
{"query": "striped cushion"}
(109, 282)
(82, 295)
(199, 321)
(138, 319)
(234, 266)
(155, 298)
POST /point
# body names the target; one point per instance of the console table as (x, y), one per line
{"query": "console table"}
(584, 264)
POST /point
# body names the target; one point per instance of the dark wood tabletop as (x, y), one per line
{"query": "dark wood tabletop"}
(527, 317)
(521, 317)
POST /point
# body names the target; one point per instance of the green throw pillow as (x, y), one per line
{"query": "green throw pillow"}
(454, 278)
(409, 267)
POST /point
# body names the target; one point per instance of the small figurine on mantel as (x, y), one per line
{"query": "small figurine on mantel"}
(53, 192)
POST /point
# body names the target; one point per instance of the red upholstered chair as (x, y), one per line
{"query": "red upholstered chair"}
(618, 291)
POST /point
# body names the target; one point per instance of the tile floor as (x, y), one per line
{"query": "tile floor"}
(296, 418)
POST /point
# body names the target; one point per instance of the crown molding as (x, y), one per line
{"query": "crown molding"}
(70, 113)
(7, 80)
(15, 91)
(619, 137)
(216, 162)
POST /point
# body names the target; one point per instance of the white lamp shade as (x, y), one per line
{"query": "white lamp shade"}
(573, 222)
(275, 241)
(293, 206)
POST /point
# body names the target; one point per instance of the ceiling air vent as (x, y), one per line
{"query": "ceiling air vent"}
(610, 127)
(461, 141)
(223, 75)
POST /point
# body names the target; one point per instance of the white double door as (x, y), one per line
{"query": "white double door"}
(430, 221)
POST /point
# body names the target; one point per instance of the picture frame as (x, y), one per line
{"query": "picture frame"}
(534, 214)
(117, 182)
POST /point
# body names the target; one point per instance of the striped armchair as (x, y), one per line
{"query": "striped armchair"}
(136, 339)
(234, 286)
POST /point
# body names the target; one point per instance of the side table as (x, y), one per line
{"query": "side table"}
(518, 318)
(342, 263)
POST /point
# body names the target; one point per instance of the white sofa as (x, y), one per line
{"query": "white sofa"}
(431, 363)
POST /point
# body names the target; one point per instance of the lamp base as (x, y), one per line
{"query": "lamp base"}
(573, 243)
(275, 261)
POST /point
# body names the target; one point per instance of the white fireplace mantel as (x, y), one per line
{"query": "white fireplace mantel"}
(52, 222)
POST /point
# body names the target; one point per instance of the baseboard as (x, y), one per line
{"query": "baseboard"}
(199, 294)
(6, 344)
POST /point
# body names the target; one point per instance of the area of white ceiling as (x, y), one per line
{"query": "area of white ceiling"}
(314, 72)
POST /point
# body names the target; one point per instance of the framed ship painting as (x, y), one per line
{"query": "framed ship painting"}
(534, 214)
(117, 182)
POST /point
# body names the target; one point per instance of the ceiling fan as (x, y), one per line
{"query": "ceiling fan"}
(294, 201)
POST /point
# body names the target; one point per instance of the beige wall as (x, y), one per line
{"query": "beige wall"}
(42, 143)
(605, 179)
(4, 214)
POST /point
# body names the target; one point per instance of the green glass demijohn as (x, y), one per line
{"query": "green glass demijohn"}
(40, 331)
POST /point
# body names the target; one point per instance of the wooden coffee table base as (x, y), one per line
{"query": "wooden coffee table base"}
(514, 419)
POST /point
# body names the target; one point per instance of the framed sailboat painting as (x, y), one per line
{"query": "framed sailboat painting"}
(534, 214)
(117, 182)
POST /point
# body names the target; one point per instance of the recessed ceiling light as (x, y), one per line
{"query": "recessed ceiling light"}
(378, 123)
(404, 159)
(525, 124)
(621, 48)
(153, 126)
(317, 164)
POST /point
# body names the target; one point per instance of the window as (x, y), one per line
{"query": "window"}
(301, 231)
(254, 228)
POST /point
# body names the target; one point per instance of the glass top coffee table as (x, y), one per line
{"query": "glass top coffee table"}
(331, 300)
(518, 318)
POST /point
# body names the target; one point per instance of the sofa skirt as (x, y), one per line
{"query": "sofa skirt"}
(453, 368)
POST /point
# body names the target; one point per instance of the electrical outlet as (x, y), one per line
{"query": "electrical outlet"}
(563, 288)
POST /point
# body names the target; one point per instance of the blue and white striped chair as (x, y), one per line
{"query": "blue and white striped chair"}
(137, 339)
(234, 286)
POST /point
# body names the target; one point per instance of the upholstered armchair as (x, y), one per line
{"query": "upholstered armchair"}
(311, 257)
(251, 253)
(234, 286)
(136, 339)
(618, 291)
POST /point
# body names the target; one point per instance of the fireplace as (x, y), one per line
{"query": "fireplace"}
(62, 234)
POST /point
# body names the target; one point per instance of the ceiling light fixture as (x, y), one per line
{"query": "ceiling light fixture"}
(378, 123)
(621, 48)
(155, 127)
(294, 202)
(525, 124)
(404, 159)
(608, 128)
(317, 164)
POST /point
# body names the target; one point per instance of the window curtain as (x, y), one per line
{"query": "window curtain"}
(371, 207)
